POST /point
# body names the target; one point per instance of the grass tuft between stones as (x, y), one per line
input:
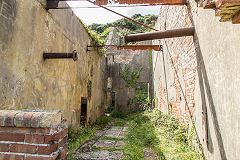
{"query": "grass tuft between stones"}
(77, 136)
(111, 139)
(119, 122)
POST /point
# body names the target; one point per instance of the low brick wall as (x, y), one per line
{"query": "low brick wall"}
(32, 135)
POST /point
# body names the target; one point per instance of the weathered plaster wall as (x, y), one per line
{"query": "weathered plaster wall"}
(207, 69)
(27, 30)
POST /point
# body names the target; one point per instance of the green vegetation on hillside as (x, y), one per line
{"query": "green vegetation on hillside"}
(96, 39)
(127, 25)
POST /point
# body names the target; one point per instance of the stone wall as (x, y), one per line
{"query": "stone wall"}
(32, 135)
(117, 59)
(27, 81)
(198, 76)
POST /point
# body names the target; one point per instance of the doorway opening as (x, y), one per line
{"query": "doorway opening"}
(113, 98)
(83, 117)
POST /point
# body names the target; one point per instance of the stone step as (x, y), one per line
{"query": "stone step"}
(108, 144)
(100, 155)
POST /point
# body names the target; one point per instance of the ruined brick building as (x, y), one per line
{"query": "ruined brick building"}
(119, 95)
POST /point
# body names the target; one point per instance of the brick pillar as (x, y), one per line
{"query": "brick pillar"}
(32, 135)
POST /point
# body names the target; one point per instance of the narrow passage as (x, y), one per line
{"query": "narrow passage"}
(148, 135)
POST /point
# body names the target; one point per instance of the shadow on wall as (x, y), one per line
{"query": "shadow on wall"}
(205, 88)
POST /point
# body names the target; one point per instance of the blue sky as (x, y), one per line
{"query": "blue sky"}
(102, 16)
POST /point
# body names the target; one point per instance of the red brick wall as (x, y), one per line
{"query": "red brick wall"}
(180, 63)
(210, 87)
(32, 135)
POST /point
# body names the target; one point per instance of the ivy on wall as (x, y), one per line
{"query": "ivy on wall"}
(130, 77)
(96, 39)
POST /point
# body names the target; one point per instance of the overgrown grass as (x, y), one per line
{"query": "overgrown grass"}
(77, 136)
(141, 134)
(103, 121)
(162, 133)
(119, 122)
(118, 115)
(149, 129)
(173, 141)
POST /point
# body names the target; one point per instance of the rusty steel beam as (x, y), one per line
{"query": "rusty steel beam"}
(118, 6)
(168, 2)
(53, 4)
(131, 47)
(160, 35)
(72, 55)
(141, 47)
(123, 16)
(158, 2)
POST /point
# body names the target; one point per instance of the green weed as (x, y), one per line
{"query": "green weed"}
(103, 121)
(162, 133)
(118, 115)
(172, 136)
(119, 122)
(77, 136)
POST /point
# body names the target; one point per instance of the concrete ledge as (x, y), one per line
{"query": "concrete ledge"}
(30, 118)
(30, 135)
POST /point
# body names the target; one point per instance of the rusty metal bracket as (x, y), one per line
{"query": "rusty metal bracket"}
(52, 4)
(72, 55)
